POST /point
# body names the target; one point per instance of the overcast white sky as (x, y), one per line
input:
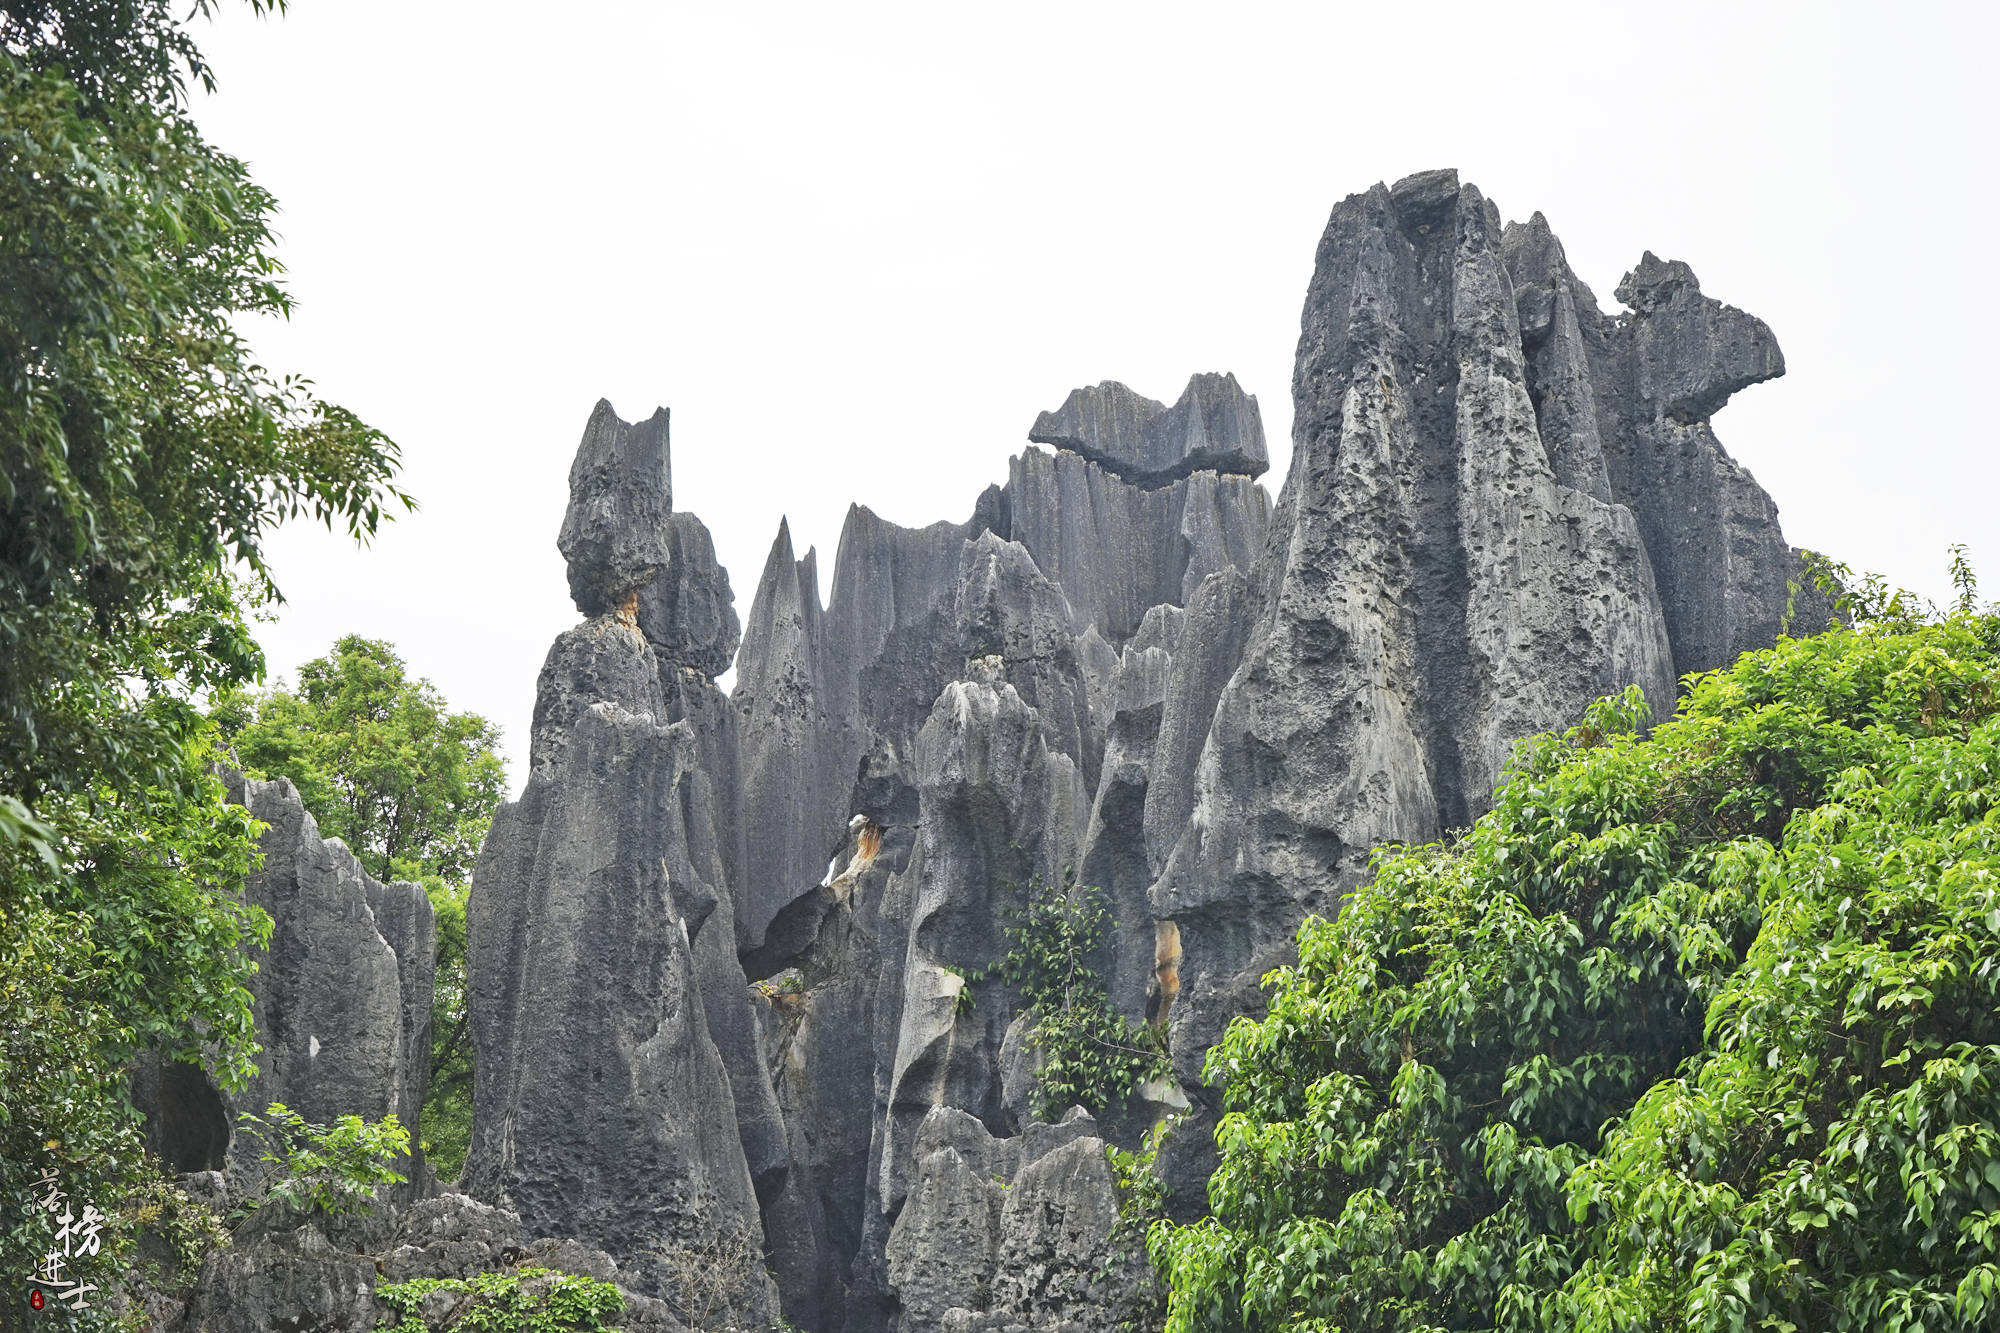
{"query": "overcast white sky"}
(856, 247)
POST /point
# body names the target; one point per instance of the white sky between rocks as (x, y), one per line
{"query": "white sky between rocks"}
(855, 248)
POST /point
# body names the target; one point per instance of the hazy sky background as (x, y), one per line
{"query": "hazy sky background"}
(855, 248)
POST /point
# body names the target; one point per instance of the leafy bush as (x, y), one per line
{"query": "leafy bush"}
(530, 1300)
(326, 1168)
(1090, 1054)
(186, 1230)
(1699, 1030)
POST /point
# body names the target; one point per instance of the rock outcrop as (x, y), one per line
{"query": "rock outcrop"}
(736, 978)
(1015, 1232)
(599, 926)
(341, 999)
(1215, 427)
(1127, 670)
(615, 533)
(1489, 477)
(284, 1271)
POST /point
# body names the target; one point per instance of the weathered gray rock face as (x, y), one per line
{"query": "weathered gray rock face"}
(291, 1280)
(1450, 567)
(687, 616)
(946, 1242)
(1016, 621)
(341, 998)
(1114, 856)
(320, 1276)
(615, 533)
(1627, 401)
(687, 611)
(818, 689)
(1013, 1232)
(1119, 549)
(596, 1067)
(608, 1094)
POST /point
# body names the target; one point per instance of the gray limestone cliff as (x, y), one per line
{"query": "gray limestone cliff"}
(733, 956)
(1502, 504)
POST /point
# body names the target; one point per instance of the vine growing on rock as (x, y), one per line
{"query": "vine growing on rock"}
(1695, 1030)
(1089, 1054)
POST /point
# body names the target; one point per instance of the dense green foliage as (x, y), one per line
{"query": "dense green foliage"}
(144, 456)
(380, 760)
(328, 1169)
(383, 764)
(1087, 1053)
(1695, 1030)
(529, 1300)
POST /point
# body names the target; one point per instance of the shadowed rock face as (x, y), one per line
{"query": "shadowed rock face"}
(342, 997)
(1125, 667)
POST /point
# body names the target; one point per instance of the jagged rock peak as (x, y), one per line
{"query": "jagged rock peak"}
(1693, 351)
(1214, 427)
(615, 534)
(341, 1000)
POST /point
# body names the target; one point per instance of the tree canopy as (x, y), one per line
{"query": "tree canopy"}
(144, 458)
(380, 759)
(1696, 1030)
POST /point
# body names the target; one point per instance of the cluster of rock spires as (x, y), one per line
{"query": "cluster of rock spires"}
(1126, 669)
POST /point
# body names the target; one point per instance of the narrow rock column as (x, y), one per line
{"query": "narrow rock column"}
(603, 1109)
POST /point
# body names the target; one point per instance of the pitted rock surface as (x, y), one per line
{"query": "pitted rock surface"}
(1214, 427)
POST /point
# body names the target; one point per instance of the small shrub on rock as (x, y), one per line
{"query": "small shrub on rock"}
(531, 1300)
(1090, 1054)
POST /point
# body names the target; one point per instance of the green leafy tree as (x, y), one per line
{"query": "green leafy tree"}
(410, 786)
(144, 457)
(380, 759)
(448, 1094)
(1696, 1030)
